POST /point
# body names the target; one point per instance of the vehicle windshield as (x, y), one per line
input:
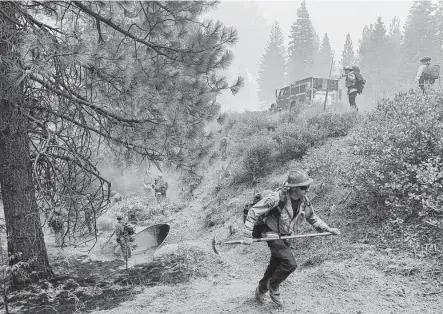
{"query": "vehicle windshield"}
(283, 92)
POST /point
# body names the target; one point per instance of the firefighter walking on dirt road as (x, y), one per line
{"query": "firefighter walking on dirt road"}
(57, 225)
(354, 82)
(279, 214)
(123, 235)
(160, 187)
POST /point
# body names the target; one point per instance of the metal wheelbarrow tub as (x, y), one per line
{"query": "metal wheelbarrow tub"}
(150, 238)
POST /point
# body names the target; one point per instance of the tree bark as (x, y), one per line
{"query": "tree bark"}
(23, 227)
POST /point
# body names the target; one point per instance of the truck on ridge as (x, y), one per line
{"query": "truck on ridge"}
(308, 92)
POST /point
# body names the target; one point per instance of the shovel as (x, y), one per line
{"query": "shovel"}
(214, 240)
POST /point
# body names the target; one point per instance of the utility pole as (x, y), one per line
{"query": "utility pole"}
(327, 82)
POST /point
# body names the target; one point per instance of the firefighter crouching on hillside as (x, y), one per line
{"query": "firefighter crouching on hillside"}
(223, 146)
(123, 237)
(283, 210)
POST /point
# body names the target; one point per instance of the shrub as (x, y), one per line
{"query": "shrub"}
(250, 123)
(326, 164)
(398, 152)
(256, 160)
(295, 139)
(255, 147)
(333, 124)
(190, 179)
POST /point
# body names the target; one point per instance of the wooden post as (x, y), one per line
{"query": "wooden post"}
(327, 82)
(312, 91)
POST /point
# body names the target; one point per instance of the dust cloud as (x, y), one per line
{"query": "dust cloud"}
(129, 181)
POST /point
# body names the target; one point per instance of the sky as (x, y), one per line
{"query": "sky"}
(253, 20)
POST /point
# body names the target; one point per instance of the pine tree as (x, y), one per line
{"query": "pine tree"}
(375, 59)
(25, 237)
(325, 57)
(440, 29)
(421, 33)
(271, 74)
(140, 77)
(316, 43)
(395, 38)
(348, 54)
(301, 46)
(364, 44)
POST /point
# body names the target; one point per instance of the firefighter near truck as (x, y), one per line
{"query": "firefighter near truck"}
(318, 92)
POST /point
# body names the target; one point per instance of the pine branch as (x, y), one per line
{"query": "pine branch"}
(156, 48)
(81, 101)
(108, 22)
(38, 23)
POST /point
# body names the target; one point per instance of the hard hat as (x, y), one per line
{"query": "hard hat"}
(355, 68)
(348, 68)
(119, 216)
(298, 177)
(425, 59)
(160, 174)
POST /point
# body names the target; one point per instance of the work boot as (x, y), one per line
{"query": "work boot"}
(260, 297)
(274, 293)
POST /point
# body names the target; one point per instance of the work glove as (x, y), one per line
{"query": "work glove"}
(118, 240)
(247, 241)
(334, 231)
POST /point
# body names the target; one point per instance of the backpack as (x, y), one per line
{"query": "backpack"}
(260, 225)
(431, 72)
(359, 82)
(129, 229)
(56, 224)
(164, 187)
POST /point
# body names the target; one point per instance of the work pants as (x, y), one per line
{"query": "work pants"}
(281, 265)
(59, 237)
(125, 247)
(352, 97)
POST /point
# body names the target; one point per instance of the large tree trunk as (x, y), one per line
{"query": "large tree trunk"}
(23, 228)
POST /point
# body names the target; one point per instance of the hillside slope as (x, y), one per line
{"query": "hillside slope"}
(345, 274)
(352, 273)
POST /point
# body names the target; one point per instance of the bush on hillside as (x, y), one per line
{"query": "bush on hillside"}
(250, 123)
(190, 179)
(326, 164)
(255, 149)
(398, 153)
(294, 139)
(256, 160)
(333, 124)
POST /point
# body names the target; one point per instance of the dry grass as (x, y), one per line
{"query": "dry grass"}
(173, 264)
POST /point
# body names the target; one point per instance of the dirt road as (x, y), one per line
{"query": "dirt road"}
(367, 282)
